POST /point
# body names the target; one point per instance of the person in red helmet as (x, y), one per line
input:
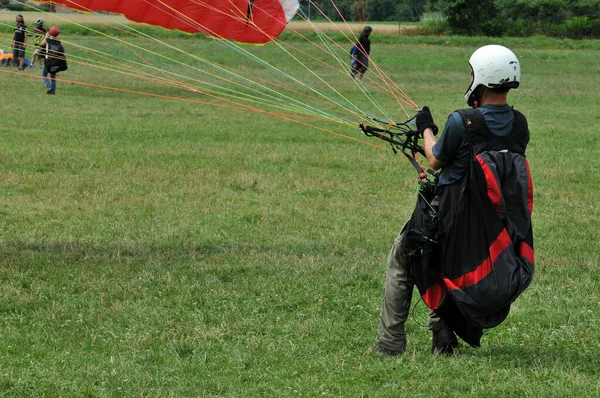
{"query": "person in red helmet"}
(55, 58)
(54, 31)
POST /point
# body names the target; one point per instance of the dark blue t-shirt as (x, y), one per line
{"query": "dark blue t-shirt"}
(453, 149)
(19, 35)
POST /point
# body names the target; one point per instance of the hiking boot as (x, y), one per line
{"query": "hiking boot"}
(379, 350)
(444, 341)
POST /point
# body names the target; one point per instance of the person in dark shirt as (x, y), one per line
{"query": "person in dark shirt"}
(494, 71)
(19, 42)
(360, 54)
(489, 138)
(452, 152)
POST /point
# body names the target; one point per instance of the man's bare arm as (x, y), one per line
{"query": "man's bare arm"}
(428, 143)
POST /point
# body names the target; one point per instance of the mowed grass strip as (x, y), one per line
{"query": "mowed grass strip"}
(153, 247)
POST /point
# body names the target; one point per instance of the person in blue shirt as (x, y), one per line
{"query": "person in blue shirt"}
(488, 93)
(494, 71)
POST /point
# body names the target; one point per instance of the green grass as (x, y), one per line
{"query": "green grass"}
(153, 247)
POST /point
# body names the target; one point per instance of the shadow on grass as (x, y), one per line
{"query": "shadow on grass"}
(127, 251)
(227, 261)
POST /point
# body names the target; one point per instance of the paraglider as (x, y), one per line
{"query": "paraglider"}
(246, 21)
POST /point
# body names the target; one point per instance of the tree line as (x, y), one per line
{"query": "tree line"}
(365, 10)
(561, 18)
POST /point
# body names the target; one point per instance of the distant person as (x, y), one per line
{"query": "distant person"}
(19, 42)
(360, 53)
(55, 60)
(39, 33)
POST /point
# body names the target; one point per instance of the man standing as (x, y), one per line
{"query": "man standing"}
(360, 53)
(19, 42)
(483, 235)
(55, 59)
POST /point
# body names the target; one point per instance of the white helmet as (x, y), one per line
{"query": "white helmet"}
(39, 22)
(493, 66)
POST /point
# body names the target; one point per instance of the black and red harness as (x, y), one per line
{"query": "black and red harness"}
(474, 256)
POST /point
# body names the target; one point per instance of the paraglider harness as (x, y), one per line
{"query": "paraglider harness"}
(55, 61)
(490, 207)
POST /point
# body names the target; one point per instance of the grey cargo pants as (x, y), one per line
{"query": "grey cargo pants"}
(398, 290)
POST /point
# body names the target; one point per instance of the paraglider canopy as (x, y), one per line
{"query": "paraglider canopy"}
(247, 21)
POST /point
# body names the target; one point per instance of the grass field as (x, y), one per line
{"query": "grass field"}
(154, 247)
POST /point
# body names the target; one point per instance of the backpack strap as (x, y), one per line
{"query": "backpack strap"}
(476, 129)
(481, 138)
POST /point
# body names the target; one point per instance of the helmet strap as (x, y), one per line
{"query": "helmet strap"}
(475, 97)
